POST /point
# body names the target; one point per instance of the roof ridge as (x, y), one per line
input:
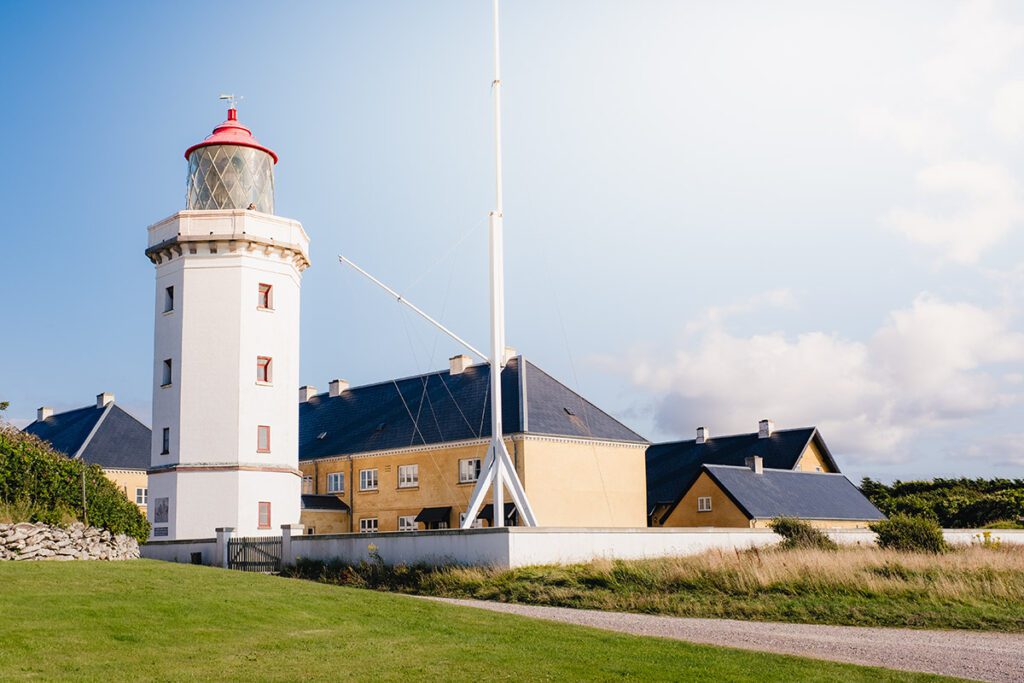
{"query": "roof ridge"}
(777, 469)
(92, 432)
(433, 373)
(735, 436)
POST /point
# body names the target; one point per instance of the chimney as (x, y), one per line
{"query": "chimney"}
(510, 353)
(458, 364)
(102, 400)
(765, 428)
(337, 386)
(756, 464)
(44, 413)
(305, 393)
(703, 435)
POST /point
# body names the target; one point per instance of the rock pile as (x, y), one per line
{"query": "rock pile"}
(77, 542)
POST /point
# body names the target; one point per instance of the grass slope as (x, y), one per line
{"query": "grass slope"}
(147, 620)
(969, 588)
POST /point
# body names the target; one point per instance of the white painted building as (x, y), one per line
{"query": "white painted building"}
(226, 348)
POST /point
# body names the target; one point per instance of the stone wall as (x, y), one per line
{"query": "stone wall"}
(77, 542)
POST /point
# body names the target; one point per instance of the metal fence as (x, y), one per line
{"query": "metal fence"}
(255, 554)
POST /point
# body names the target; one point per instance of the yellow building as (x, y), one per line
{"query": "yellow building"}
(746, 480)
(102, 434)
(405, 454)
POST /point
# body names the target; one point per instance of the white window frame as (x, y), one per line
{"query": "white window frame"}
(703, 503)
(141, 496)
(368, 525)
(477, 523)
(408, 476)
(464, 470)
(365, 476)
(333, 479)
(407, 523)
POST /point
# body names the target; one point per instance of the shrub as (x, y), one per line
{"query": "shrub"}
(796, 533)
(37, 484)
(910, 534)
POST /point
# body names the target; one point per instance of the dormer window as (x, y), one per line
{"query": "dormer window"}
(265, 299)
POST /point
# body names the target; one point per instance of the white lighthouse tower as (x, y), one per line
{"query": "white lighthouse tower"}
(226, 348)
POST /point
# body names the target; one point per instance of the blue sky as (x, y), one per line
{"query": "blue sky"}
(715, 212)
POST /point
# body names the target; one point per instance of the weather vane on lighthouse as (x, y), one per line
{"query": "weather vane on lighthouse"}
(232, 100)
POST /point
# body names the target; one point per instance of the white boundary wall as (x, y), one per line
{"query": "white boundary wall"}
(520, 546)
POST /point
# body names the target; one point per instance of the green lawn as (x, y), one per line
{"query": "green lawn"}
(150, 620)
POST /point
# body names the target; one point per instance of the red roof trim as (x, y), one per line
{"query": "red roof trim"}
(231, 132)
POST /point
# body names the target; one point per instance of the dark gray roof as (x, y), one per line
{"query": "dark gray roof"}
(793, 493)
(439, 407)
(673, 467)
(312, 501)
(119, 442)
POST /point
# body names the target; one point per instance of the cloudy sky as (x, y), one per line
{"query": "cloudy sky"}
(715, 211)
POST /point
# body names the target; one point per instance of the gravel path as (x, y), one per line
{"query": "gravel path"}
(967, 654)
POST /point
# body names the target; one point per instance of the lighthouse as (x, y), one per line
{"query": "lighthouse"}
(226, 347)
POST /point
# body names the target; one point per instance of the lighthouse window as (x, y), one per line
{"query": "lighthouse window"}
(264, 515)
(265, 300)
(263, 439)
(166, 381)
(263, 369)
(169, 299)
(166, 446)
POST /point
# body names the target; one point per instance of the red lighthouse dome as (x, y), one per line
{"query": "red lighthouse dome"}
(230, 169)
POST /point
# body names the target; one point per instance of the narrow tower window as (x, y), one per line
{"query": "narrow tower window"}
(166, 381)
(265, 300)
(169, 299)
(263, 369)
(166, 441)
(264, 515)
(263, 439)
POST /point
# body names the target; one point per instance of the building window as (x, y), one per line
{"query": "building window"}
(310, 530)
(368, 480)
(166, 446)
(368, 525)
(264, 515)
(477, 523)
(336, 482)
(166, 381)
(408, 476)
(307, 484)
(469, 470)
(407, 523)
(263, 439)
(263, 369)
(168, 299)
(703, 503)
(141, 496)
(265, 300)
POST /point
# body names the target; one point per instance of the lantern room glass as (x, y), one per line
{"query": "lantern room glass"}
(230, 177)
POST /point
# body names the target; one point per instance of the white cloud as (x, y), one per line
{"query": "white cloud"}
(1008, 111)
(973, 206)
(974, 44)
(929, 365)
(926, 133)
(1001, 449)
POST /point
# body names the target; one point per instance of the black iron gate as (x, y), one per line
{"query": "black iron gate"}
(255, 554)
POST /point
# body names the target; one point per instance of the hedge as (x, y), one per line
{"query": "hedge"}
(36, 478)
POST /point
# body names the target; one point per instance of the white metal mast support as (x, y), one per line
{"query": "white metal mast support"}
(498, 470)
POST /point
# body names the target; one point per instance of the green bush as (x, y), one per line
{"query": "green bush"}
(910, 534)
(796, 533)
(37, 484)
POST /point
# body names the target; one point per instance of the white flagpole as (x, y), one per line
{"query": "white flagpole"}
(498, 469)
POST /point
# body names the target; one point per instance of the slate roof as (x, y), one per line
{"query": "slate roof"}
(793, 493)
(119, 442)
(312, 501)
(438, 407)
(673, 467)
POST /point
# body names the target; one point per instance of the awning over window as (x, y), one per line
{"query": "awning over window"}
(323, 502)
(487, 512)
(434, 515)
